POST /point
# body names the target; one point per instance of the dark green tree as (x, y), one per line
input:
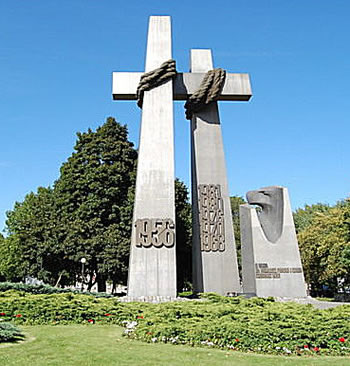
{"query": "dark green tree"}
(183, 236)
(34, 243)
(94, 196)
(11, 268)
(236, 201)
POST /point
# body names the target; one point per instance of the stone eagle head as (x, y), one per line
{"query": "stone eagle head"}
(270, 200)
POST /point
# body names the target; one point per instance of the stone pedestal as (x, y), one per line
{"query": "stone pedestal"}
(152, 267)
(214, 253)
(271, 264)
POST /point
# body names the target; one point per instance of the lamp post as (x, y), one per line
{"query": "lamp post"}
(83, 261)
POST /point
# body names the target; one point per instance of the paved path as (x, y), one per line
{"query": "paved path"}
(316, 303)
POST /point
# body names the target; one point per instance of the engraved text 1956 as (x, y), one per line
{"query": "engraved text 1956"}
(155, 232)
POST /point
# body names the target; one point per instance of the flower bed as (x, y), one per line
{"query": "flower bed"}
(254, 325)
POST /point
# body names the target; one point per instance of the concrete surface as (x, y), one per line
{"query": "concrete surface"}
(152, 268)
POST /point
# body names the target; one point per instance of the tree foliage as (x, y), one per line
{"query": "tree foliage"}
(32, 242)
(87, 213)
(236, 201)
(325, 247)
(183, 235)
(303, 216)
(94, 195)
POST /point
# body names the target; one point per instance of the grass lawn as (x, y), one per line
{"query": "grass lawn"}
(104, 345)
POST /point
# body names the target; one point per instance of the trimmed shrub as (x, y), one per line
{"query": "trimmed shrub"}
(66, 308)
(9, 333)
(254, 325)
(248, 325)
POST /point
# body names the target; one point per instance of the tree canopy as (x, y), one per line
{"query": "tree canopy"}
(324, 242)
(86, 214)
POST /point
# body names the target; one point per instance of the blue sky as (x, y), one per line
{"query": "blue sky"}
(57, 56)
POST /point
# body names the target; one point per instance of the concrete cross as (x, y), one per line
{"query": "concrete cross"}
(236, 88)
(214, 259)
(152, 267)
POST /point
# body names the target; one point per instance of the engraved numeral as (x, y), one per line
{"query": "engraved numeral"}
(211, 218)
(155, 232)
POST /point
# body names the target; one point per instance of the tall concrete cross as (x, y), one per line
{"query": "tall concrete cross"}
(214, 256)
(152, 267)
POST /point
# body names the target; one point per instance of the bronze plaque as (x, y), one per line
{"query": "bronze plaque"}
(262, 270)
(211, 218)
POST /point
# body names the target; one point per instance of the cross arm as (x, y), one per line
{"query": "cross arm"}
(237, 86)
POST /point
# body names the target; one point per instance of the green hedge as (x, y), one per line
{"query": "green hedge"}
(46, 289)
(9, 333)
(249, 325)
(258, 325)
(66, 308)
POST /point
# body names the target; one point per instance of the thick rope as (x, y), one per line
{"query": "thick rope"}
(208, 92)
(152, 79)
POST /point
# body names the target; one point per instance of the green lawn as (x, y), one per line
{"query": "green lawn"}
(104, 345)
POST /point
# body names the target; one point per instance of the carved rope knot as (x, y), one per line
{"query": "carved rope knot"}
(154, 78)
(208, 92)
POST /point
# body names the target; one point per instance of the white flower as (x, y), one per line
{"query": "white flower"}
(154, 339)
(131, 324)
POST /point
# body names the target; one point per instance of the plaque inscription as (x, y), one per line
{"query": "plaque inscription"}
(211, 218)
(262, 270)
(155, 232)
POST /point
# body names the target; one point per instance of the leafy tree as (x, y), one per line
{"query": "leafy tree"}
(94, 196)
(34, 241)
(325, 249)
(10, 260)
(183, 236)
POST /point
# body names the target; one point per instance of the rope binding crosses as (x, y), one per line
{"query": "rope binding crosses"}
(208, 92)
(154, 78)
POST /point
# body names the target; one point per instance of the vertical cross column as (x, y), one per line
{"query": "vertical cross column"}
(152, 267)
(215, 266)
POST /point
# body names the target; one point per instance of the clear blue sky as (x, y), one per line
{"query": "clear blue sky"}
(57, 56)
